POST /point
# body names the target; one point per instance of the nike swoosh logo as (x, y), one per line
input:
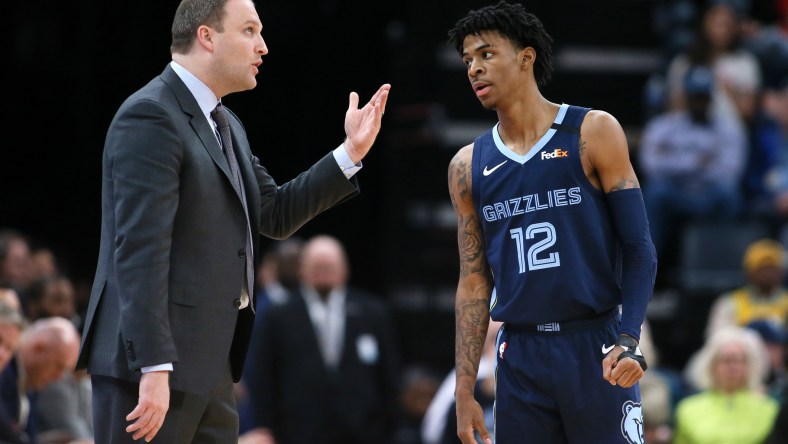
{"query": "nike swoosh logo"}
(487, 172)
(606, 350)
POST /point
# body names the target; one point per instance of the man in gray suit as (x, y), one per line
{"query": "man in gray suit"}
(169, 319)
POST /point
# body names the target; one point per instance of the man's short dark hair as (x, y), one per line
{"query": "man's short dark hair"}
(190, 15)
(513, 22)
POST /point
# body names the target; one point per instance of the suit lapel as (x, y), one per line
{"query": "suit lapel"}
(198, 122)
(206, 134)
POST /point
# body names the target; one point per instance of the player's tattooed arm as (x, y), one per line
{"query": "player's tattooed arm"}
(472, 299)
(624, 183)
(475, 283)
(604, 152)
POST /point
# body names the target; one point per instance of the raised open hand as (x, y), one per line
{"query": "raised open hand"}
(362, 125)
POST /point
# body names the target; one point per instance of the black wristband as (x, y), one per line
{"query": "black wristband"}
(631, 350)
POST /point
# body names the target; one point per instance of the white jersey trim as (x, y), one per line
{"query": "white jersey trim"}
(521, 159)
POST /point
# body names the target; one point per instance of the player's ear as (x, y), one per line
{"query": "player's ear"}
(527, 58)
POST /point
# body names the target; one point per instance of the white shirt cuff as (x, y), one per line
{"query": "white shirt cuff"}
(345, 164)
(157, 368)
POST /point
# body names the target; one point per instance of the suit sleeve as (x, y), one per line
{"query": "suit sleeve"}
(144, 156)
(286, 208)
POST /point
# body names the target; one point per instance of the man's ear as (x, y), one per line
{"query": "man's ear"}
(205, 37)
(527, 58)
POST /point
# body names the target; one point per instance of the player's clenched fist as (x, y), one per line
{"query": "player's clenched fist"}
(624, 365)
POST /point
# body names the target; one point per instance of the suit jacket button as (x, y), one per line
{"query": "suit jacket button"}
(242, 253)
(237, 303)
(130, 350)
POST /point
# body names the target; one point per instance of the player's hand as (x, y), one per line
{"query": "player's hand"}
(470, 418)
(624, 371)
(152, 406)
(363, 124)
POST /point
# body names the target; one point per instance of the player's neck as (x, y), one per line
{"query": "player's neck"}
(523, 123)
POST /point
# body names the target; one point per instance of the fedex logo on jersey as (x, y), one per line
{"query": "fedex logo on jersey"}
(556, 153)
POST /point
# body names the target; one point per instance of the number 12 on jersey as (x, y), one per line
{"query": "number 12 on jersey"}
(534, 262)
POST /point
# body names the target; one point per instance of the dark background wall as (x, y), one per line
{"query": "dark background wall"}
(71, 64)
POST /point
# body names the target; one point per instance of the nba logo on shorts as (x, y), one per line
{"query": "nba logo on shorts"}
(501, 349)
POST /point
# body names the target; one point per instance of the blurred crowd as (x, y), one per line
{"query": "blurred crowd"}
(42, 399)
(714, 144)
(326, 364)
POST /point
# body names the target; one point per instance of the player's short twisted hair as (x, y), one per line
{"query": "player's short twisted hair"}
(512, 21)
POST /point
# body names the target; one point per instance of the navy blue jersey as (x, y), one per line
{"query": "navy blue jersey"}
(549, 238)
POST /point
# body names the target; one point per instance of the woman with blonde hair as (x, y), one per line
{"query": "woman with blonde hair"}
(730, 406)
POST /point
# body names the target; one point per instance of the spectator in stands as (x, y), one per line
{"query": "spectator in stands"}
(773, 337)
(767, 38)
(330, 362)
(277, 274)
(418, 388)
(10, 297)
(730, 407)
(65, 410)
(11, 326)
(15, 261)
(43, 264)
(48, 349)
(12, 323)
(64, 407)
(764, 297)
(776, 105)
(766, 141)
(737, 71)
(692, 162)
(51, 296)
(763, 155)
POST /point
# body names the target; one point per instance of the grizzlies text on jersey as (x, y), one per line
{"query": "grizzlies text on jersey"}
(550, 241)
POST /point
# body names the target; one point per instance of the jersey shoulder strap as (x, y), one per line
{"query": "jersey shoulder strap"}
(572, 120)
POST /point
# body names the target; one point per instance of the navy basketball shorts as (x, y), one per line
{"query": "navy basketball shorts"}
(549, 386)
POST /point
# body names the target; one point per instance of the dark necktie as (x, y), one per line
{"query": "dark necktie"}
(222, 123)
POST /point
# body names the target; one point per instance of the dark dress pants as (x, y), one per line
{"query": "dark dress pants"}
(192, 418)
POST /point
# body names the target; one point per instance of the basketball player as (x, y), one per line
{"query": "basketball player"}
(553, 242)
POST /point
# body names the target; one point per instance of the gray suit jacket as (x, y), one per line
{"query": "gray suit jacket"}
(173, 234)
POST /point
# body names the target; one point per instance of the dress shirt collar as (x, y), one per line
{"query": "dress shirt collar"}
(334, 303)
(204, 96)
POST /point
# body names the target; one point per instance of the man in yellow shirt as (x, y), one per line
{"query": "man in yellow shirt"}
(763, 298)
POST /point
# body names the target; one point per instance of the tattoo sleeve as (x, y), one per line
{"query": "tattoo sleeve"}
(475, 283)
